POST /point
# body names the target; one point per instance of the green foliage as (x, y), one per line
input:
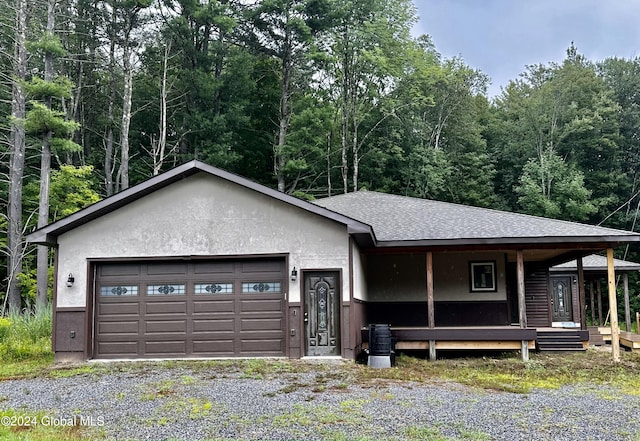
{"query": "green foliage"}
(39, 89)
(48, 44)
(72, 188)
(26, 335)
(41, 120)
(29, 288)
(550, 188)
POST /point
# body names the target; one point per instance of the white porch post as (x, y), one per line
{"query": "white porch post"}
(522, 307)
(613, 306)
(431, 316)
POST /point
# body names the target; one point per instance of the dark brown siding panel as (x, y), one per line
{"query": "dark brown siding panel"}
(536, 290)
(446, 313)
(70, 331)
(220, 320)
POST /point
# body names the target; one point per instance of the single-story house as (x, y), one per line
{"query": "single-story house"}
(200, 262)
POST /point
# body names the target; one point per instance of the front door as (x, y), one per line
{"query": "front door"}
(322, 313)
(561, 300)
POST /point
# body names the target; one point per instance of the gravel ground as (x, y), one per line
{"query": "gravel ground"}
(181, 403)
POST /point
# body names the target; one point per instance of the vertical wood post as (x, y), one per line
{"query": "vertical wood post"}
(582, 296)
(638, 322)
(592, 295)
(431, 315)
(599, 289)
(522, 306)
(613, 306)
(627, 306)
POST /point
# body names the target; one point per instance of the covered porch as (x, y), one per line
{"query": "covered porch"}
(512, 309)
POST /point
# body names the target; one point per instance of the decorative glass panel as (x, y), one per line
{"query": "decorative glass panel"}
(253, 287)
(213, 288)
(119, 290)
(165, 290)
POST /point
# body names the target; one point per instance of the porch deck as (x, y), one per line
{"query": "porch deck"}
(460, 338)
(630, 340)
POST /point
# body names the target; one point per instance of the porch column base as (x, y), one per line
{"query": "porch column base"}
(432, 350)
(525, 350)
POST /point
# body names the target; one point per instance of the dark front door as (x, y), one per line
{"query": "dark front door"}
(322, 313)
(561, 299)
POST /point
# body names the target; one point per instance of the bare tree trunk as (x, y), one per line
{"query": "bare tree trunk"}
(15, 242)
(42, 275)
(344, 136)
(285, 113)
(109, 148)
(126, 117)
(158, 156)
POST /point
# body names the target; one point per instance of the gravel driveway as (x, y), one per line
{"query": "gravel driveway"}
(178, 402)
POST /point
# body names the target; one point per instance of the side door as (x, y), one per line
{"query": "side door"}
(561, 299)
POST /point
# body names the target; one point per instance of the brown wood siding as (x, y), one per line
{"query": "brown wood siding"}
(479, 313)
(223, 321)
(536, 288)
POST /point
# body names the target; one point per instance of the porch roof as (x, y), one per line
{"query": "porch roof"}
(406, 221)
(596, 263)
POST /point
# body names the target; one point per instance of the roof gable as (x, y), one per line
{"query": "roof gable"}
(49, 233)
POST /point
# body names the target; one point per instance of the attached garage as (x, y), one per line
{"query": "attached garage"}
(200, 263)
(197, 308)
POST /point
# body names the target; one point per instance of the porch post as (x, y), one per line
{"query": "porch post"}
(431, 316)
(613, 306)
(599, 290)
(522, 307)
(582, 295)
(592, 296)
(627, 306)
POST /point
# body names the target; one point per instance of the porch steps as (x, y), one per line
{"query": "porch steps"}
(595, 337)
(560, 340)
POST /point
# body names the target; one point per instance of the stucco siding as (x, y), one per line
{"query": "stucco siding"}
(203, 215)
(359, 274)
(402, 277)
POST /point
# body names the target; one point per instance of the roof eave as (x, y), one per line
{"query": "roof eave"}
(525, 242)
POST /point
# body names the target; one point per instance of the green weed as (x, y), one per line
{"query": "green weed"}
(26, 336)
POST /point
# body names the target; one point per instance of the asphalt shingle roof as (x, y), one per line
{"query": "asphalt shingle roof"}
(401, 218)
(595, 262)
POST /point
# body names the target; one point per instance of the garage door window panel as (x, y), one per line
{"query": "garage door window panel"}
(261, 287)
(119, 291)
(214, 288)
(166, 290)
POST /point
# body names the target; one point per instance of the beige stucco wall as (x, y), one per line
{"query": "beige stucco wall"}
(203, 215)
(359, 274)
(398, 277)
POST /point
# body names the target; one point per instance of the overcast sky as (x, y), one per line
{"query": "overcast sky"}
(501, 37)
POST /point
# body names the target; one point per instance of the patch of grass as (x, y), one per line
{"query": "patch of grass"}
(26, 336)
(510, 374)
(154, 391)
(31, 368)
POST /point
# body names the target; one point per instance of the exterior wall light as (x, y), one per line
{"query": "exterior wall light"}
(70, 280)
(294, 274)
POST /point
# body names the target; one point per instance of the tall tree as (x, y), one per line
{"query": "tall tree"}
(284, 29)
(15, 244)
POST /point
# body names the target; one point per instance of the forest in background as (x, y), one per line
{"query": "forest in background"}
(312, 97)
